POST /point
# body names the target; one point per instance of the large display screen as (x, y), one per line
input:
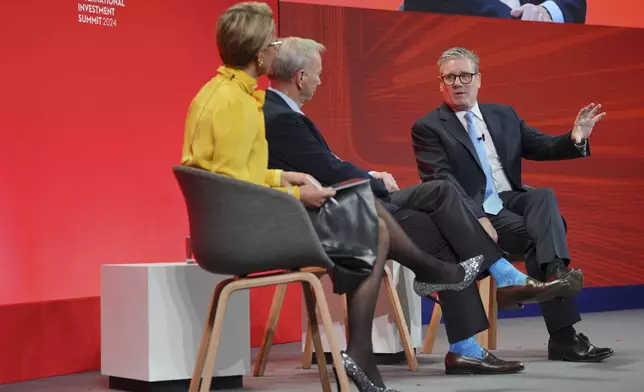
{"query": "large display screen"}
(625, 13)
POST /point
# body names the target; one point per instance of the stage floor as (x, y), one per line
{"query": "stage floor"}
(521, 339)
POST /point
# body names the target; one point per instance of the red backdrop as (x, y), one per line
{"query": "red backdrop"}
(380, 76)
(625, 13)
(92, 121)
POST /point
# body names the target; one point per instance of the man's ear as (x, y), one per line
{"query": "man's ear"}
(299, 79)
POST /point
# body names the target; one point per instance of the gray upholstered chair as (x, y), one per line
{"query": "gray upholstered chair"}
(261, 237)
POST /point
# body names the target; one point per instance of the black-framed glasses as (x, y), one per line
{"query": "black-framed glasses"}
(465, 78)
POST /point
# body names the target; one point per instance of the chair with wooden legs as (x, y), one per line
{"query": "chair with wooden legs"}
(487, 339)
(261, 237)
(307, 355)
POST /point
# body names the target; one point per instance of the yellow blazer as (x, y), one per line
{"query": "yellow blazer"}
(225, 131)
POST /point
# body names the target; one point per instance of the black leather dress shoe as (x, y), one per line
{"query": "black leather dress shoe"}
(578, 349)
(513, 297)
(460, 364)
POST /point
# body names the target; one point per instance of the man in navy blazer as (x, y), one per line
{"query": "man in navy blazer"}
(558, 11)
(479, 148)
(432, 214)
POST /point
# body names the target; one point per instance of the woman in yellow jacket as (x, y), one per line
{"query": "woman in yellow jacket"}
(225, 134)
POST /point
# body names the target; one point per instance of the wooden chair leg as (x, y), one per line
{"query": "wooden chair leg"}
(343, 381)
(307, 355)
(269, 333)
(432, 330)
(346, 316)
(211, 355)
(206, 359)
(207, 335)
(484, 292)
(310, 300)
(401, 323)
(493, 317)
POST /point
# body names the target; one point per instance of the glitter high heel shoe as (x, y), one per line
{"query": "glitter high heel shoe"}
(358, 376)
(471, 267)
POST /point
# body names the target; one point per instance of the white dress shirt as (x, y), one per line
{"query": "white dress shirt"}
(501, 180)
(289, 101)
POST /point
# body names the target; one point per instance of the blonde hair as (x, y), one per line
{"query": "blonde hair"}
(293, 55)
(459, 52)
(243, 30)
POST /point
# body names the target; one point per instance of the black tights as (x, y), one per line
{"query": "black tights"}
(361, 306)
(361, 302)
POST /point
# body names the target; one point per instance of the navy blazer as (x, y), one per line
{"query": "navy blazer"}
(296, 144)
(444, 150)
(574, 11)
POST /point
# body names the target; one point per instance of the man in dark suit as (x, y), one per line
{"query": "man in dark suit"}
(558, 11)
(478, 148)
(441, 224)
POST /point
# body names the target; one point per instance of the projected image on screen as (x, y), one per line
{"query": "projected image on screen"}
(623, 13)
(558, 11)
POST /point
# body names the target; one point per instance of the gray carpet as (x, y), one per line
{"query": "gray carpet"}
(521, 339)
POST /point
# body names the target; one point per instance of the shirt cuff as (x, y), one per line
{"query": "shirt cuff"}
(554, 11)
(582, 147)
(291, 190)
(295, 192)
(273, 177)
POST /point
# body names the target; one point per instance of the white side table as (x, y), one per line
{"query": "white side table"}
(152, 320)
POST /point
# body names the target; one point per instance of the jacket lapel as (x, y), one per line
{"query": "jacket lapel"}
(316, 132)
(456, 129)
(495, 127)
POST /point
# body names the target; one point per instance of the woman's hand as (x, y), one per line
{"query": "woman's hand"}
(298, 179)
(314, 196)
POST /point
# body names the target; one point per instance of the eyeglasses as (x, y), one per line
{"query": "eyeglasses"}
(465, 78)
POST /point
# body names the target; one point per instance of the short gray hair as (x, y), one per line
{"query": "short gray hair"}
(459, 52)
(292, 56)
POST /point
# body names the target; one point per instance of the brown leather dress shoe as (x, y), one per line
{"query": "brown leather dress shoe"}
(460, 364)
(514, 297)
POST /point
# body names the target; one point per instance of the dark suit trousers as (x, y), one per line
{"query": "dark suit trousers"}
(458, 227)
(530, 225)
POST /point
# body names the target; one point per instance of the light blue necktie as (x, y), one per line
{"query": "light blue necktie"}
(492, 204)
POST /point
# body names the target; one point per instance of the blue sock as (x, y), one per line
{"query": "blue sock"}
(505, 274)
(468, 347)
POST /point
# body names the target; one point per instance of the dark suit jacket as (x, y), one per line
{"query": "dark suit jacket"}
(574, 11)
(296, 144)
(444, 150)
